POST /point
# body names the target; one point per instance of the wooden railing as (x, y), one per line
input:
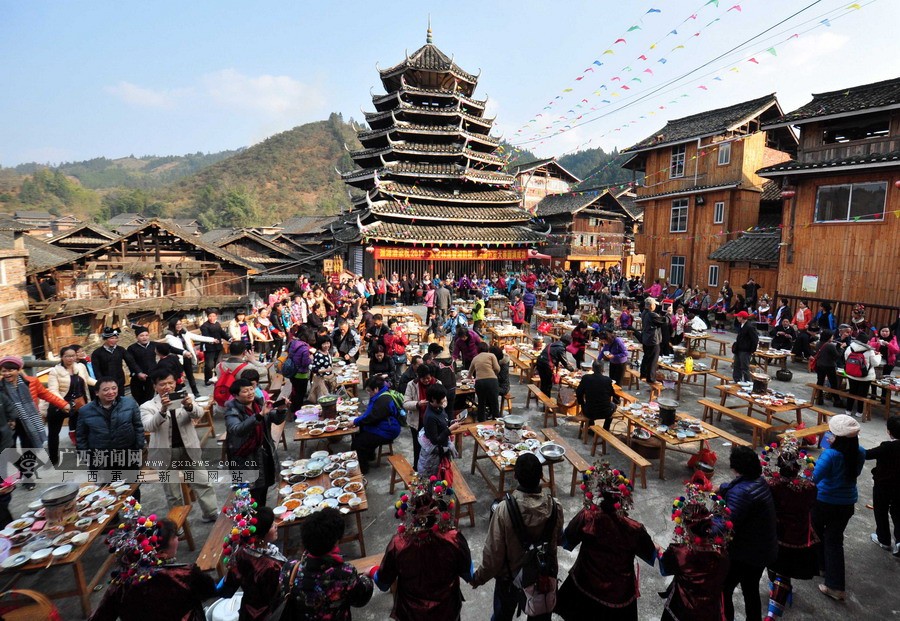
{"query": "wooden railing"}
(852, 149)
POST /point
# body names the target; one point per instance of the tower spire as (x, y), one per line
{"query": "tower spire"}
(428, 37)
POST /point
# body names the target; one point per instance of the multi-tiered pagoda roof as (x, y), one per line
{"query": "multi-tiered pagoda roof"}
(428, 170)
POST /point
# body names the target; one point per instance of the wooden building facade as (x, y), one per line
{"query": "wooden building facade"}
(701, 191)
(842, 201)
(541, 178)
(148, 275)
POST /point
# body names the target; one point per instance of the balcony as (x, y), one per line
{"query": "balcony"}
(850, 150)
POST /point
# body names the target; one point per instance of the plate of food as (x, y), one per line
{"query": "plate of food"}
(53, 531)
(80, 539)
(340, 482)
(333, 492)
(86, 490)
(315, 490)
(354, 487)
(92, 512)
(62, 551)
(640, 434)
(21, 523)
(41, 554)
(291, 503)
(337, 474)
(83, 523)
(316, 432)
(16, 560)
(346, 497)
(313, 501)
(103, 502)
(299, 487)
(22, 538)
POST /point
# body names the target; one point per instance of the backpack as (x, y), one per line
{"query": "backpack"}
(856, 366)
(397, 398)
(222, 389)
(536, 579)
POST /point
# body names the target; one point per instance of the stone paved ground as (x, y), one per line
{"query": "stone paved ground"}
(873, 576)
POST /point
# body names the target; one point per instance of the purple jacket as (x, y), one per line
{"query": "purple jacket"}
(466, 350)
(618, 349)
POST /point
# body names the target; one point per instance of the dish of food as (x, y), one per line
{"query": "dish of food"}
(291, 503)
(340, 481)
(80, 539)
(87, 489)
(40, 555)
(340, 472)
(20, 538)
(15, 560)
(62, 551)
(316, 432)
(354, 487)
(330, 428)
(83, 523)
(315, 490)
(346, 497)
(313, 501)
(53, 531)
(21, 523)
(92, 512)
(333, 492)
(300, 487)
(103, 502)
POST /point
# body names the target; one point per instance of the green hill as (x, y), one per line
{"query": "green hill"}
(596, 167)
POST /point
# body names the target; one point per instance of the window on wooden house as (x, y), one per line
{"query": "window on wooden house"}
(724, 153)
(7, 329)
(713, 276)
(679, 217)
(676, 273)
(852, 202)
(676, 165)
(719, 212)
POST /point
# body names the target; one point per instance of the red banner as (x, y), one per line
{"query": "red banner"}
(451, 254)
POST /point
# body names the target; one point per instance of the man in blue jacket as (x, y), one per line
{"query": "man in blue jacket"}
(379, 424)
(529, 299)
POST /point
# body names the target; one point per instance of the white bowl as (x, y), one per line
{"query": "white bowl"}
(279, 510)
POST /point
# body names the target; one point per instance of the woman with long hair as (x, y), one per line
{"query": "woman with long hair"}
(835, 477)
(68, 380)
(179, 338)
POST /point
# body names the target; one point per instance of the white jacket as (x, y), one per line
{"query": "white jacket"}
(191, 338)
(234, 330)
(58, 379)
(160, 427)
(873, 359)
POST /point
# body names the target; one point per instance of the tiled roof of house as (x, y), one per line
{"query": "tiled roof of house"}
(707, 123)
(555, 204)
(8, 224)
(34, 215)
(126, 218)
(697, 189)
(428, 58)
(451, 234)
(40, 253)
(752, 247)
(306, 225)
(771, 191)
(523, 167)
(86, 230)
(626, 199)
(455, 213)
(871, 160)
(847, 100)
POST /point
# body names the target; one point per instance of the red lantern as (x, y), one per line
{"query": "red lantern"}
(897, 184)
(370, 249)
(788, 194)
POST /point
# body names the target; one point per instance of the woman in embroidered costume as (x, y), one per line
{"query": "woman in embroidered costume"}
(603, 582)
(147, 584)
(696, 557)
(427, 556)
(254, 561)
(321, 586)
(788, 471)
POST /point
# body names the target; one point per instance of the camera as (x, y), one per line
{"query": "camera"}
(177, 395)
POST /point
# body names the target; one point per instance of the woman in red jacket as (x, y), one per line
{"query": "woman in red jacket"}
(579, 342)
(517, 312)
(885, 343)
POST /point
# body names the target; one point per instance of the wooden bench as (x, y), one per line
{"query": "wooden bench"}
(536, 380)
(548, 403)
(758, 428)
(605, 437)
(179, 515)
(714, 368)
(724, 435)
(402, 471)
(722, 343)
(846, 396)
(211, 553)
(822, 414)
(464, 496)
(579, 463)
(381, 451)
(526, 369)
(816, 430)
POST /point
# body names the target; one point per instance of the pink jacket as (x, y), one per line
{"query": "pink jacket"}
(892, 349)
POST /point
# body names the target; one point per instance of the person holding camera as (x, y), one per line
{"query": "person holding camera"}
(169, 418)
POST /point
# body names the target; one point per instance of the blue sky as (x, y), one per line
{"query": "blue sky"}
(84, 79)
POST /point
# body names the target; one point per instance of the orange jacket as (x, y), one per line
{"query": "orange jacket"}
(39, 391)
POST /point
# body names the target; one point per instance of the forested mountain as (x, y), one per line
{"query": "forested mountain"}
(596, 167)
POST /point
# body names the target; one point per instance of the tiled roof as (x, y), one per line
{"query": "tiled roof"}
(626, 199)
(430, 149)
(430, 92)
(8, 224)
(428, 58)
(87, 230)
(127, 218)
(555, 204)
(211, 237)
(34, 215)
(752, 247)
(454, 213)
(872, 160)
(771, 191)
(549, 162)
(419, 128)
(305, 225)
(451, 234)
(707, 123)
(40, 254)
(697, 189)
(393, 188)
(417, 169)
(427, 110)
(853, 99)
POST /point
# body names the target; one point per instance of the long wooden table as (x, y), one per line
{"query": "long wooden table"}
(82, 587)
(765, 357)
(302, 436)
(666, 439)
(770, 411)
(684, 376)
(502, 468)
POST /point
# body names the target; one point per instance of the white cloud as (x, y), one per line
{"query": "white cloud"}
(270, 96)
(146, 97)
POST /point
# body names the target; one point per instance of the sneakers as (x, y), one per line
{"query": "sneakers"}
(210, 518)
(833, 593)
(883, 546)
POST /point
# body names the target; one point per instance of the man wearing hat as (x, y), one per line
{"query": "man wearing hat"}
(143, 352)
(743, 347)
(108, 358)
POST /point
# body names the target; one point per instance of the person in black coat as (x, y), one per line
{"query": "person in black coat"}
(651, 337)
(144, 354)
(886, 488)
(107, 360)
(595, 395)
(783, 335)
(212, 351)
(755, 542)
(743, 347)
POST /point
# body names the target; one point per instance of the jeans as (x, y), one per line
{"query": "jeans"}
(886, 501)
(506, 602)
(748, 577)
(417, 448)
(829, 522)
(741, 371)
(488, 392)
(858, 389)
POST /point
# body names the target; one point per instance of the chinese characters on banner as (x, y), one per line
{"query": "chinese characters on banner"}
(451, 254)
